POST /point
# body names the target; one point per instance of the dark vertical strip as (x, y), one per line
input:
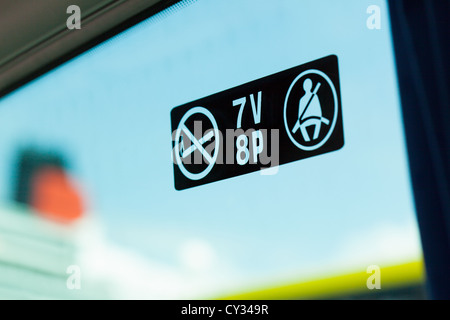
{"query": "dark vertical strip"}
(419, 29)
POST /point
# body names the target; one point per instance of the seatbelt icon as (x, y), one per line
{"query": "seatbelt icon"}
(314, 119)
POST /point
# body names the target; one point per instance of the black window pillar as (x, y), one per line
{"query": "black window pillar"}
(421, 39)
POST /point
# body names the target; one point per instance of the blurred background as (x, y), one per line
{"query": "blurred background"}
(88, 207)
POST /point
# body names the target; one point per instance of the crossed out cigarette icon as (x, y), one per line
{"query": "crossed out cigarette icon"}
(197, 144)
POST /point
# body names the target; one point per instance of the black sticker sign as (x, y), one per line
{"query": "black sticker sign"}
(285, 117)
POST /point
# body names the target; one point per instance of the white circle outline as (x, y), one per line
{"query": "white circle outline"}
(208, 114)
(333, 123)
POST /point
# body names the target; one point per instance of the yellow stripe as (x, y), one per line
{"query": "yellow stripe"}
(390, 277)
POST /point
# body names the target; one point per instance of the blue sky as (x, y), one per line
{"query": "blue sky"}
(109, 112)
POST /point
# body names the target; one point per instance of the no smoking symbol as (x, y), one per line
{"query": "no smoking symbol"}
(197, 144)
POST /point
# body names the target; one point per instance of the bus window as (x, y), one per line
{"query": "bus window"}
(90, 171)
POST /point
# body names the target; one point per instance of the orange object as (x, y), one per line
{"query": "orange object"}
(55, 196)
